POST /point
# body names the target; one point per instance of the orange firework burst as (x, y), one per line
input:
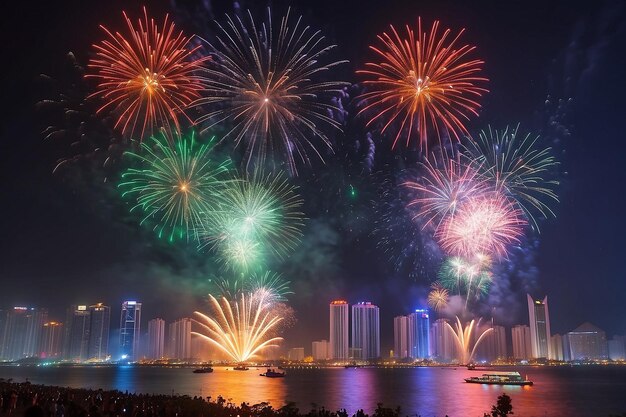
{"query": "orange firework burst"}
(422, 84)
(147, 79)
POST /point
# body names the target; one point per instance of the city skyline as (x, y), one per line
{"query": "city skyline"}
(86, 333)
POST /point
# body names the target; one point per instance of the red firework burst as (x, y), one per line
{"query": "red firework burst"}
(148, 79)
(422, 84)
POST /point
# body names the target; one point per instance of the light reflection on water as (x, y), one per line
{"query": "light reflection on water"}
(587, 391)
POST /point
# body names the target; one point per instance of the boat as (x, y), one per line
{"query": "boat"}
(270, 373)
(499, 378)
(471, 366)
(203, 370)
(352, 365)
(240, 368)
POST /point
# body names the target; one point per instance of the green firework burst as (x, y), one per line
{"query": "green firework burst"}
(175, 185)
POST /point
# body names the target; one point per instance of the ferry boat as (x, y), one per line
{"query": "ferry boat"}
(203, 370)
(499, 378)
(241, 368)
(270, 373)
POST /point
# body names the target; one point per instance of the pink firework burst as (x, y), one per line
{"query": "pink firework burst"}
(445, 185)
(486, 224)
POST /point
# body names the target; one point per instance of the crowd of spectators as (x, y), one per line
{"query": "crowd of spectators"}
(30, 400)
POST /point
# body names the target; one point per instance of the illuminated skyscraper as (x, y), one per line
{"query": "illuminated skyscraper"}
(401, 337)
(130, 328)
(521, 342)
(77, 333)
(51, 343)
(156, 338)
(179, 338)
(419, 334)
(296, 354)
(366, 330)
(539, 318)
(3, 326)
(100, 325)
(339, 330)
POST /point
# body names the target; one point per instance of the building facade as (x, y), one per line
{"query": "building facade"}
(339, 330)
(442, 346)
(366, 331)
(401, 337)
(588, 342)
(320, 350)
(99, 328)
(296, 354)
(179, 337)
(539, 318)
(156, 338)
(130, 330)
(419, 334)
(51, 342)
(522, 349)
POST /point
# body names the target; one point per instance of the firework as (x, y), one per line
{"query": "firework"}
(471, 276)
(176, 185)
(424, 84)
(267, 85)
(485, 224)
(517, 166)
(438, 297)
(148, 78)
(443, 187)
(242, 327)
(269, 284)
(463, 338)
(259, 217)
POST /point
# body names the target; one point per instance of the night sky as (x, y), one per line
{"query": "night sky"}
(67, 237)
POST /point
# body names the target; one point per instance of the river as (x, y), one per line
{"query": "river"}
(557, 391)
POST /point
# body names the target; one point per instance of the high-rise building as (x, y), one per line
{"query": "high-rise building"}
(130, 330)
(366, 330)
(156, 338)
(320, 350)
(617, 348)
(77, 333)
(419, 334)
(51, 342)
(539, 318)
(522, 349)
(23, 331)
(3, 326)
(493, 346)
(100, 325)
(442, 341)
(588, 342)
(556, 347)
(401, 337)
(296, 354)
(339, 330)
(179, 337)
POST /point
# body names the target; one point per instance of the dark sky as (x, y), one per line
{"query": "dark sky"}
(66, 239)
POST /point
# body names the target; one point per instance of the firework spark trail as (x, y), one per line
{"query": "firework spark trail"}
(463, 338)
(268, 86)
(486, 224)
(516, 165)
(240, 328)
(425, 84)
(176, 185)
(147, 79)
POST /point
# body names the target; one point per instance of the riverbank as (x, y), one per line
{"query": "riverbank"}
(41, 400)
